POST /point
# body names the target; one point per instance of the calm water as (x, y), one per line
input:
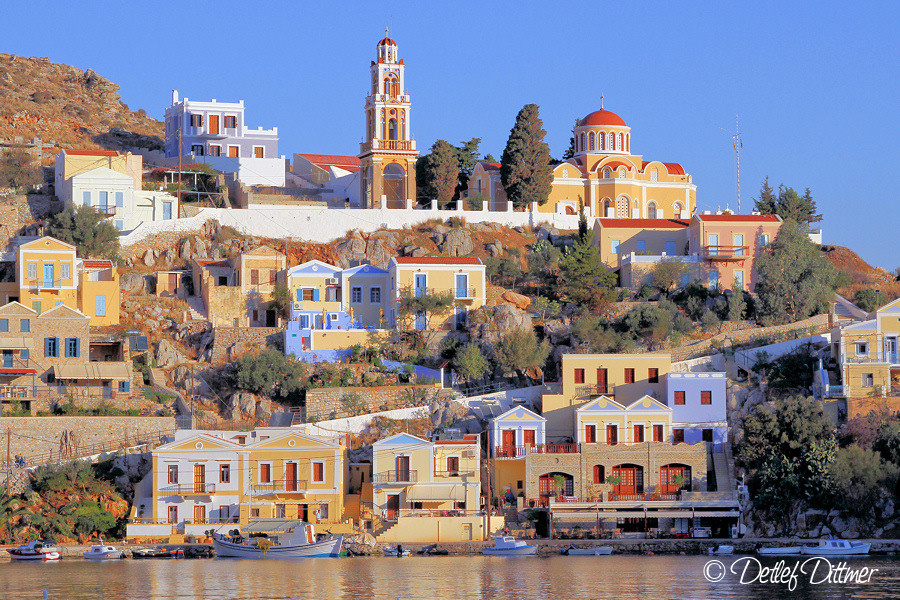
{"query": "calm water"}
(425, 578)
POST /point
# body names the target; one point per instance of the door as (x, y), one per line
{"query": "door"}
(303, 512)
(638, 434)
(167, 211)
(421, 321)
(214, 124)
(173, 514)
(601, 381)
(291, 477)
(421, 284)
(7, 359)
(271, 318)
(199, 479)
(393, 507)
(529, 437)
(891, 350)
(462, 286)
(199, 513)
(509, 443)
(612, 435)
(467, 531)
(631, 479)
(48, 275)
(173, 283)
(590, 434)
(402, 464)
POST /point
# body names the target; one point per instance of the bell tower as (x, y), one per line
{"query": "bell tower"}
(388, 154)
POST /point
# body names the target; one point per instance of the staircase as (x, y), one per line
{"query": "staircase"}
(195, 309)
(722, 469)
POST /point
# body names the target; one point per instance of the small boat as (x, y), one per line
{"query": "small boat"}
(42, 550)
(298, 542)
(721, 550)
(779, 551)
(598, 551)
(158, 552)
(400, 551)
(507, 545)
(103, 551)
(832, 547)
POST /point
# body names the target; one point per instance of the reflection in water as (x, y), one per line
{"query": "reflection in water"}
(422, 578)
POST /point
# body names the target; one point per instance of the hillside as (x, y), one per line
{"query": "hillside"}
(69, 107)
(862, 274)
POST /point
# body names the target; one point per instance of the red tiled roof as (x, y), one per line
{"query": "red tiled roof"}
(490, 166)
(644, 223)
(674, 168)
(602, 117)
(616, 164)
(213, 263)
(98, 264)
(387, 41)
(436, 260)
(348, 163)
(740, 218)
(91, 153)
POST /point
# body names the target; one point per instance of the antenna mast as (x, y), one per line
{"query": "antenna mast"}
(737, 144)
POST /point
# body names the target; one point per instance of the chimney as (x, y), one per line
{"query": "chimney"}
(174, 97)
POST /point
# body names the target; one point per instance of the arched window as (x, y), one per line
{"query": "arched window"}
(621, 142)
(622, 208)
(602, 137)
(677, 208)
(651, 210)
(674, 477)
(393, 185)
(554, 485)
(630, 479)
(612, 141)
(606, 173)
(607, 208)
(565, 173)
(581, 145)
(592, 140)
(627, 142)
(622, 171)
(654, 175)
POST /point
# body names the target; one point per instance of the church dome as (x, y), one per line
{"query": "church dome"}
(602, 117)
(387, 42)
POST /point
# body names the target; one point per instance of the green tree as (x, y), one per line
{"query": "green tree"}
(470, 362)
(570, 151)
(737, 305)
(525, 166)
(667, 274)
(281, 299)
(520, 350)
(270, 373)
(437, 173)
(84, 227)
(868, 299)
(887, 443)
(767, 203)
(489, 158)
(788, 204)
(796, 281)
(545, 307)
(583, 278)
(543, 264)
(91, 518)
(600, 337)
(861, 478)
(416, 311)
(582, 222)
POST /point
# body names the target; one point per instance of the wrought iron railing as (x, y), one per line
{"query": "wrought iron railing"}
(280, 485)
(187, 489)
(402, 476)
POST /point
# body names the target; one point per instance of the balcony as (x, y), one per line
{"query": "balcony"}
(465, 294)
(106, 211)
(645, 497)
(591, 391)
(280, 486)
(522, 451)
(189, 489)
(404, 476)
(402, 145)
(726, 253)
(453, 474)
(45, 284)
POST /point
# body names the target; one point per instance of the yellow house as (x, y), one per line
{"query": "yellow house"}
(461, 277)
(48, 274)
(514, 434)
(624, 378)
(485, 182)
(606, 421)
(618, 237)
(869, 355)
(428, 491)
(207, 480)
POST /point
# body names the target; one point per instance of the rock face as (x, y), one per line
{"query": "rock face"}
(494, 248)
(245, 404)
(509, 318)
(133, 283)
(167, 356)
(518, 300)
(457, 242)
(377, 250)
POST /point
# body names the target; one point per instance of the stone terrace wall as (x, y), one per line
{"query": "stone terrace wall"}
(164, 235)
(31, 436)
(229, 343)
(322, 402)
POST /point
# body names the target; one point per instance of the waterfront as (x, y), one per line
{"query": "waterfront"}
(424, 578)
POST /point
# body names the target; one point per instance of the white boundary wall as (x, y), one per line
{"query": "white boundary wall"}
(322, 225)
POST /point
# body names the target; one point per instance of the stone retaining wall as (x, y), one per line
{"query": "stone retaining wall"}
(328, 403)
(230, 343)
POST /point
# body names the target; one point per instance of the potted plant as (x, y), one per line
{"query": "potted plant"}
(678, 480)
(614, 481)
(559, 483)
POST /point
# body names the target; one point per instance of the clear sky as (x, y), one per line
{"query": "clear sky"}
(816, 84)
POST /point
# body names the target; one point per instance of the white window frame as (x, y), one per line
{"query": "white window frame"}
(259, 472)
(263, 151)
(862, 348)
(312, 471)
(868, 380)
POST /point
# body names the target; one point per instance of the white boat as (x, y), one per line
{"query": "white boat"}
(394, 552)
(297, 542)
(782, 551)
(722, 550)
(36, 550)
(833, 547)
(103, 552)
(598, 551)
(506, 545)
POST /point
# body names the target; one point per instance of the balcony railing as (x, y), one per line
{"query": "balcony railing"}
(189, 489)
(454, 473)
(45, 283)
(388, 145)
(520, 451)
(405, 476)
(587, 391)
(464, 293)
(280, 486)
(644, 497)
(726, 252)
(106, 211)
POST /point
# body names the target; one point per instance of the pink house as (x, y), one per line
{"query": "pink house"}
(728, 245)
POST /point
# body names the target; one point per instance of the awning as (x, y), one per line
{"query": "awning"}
(93, 370)
(15, 342)
(17, 371)
(718, 513)
(650, 514)
(436, 492)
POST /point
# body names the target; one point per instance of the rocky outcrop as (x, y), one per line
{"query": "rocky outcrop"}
(518, 300)
(457, 242)
(376, 250)
(167, 356)
(134, 283)
(494, 248)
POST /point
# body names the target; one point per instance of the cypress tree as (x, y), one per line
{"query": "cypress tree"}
(525, 166)
(437, 173)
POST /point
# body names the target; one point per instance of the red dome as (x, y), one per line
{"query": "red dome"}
(387, 42)
(602, 117)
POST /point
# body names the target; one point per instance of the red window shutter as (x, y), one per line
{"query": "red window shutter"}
(629, 375)
(679, 397)
(579, 375)
(706, 397)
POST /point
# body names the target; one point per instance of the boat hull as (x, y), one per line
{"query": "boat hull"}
(786, 551)
(34, 557)
(523, 551)
(852, 551)
(601, 551)
(325, 548)
(113, 555)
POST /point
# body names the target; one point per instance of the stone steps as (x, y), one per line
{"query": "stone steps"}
(724, 480)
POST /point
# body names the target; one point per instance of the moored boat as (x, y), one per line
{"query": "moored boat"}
(722, 550)
(779, 551)
(399, 551)
(297, 542)
(103, 552)
(832, 547)
(506, 545)
(598, 551)
(36, 550)
(159, 552)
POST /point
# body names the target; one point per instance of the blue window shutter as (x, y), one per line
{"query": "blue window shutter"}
(46, 346)
(101, 306)
(299, 295)
(120, 199)
(316, 294)
(77, 347)
(4, 325)
(25, 354)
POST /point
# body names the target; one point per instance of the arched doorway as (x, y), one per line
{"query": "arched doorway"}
(674, 477)
(553, 485)
(394, 185)
(630, 479)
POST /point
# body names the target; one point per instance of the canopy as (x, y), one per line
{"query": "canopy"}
(436, 492)
(93, 370)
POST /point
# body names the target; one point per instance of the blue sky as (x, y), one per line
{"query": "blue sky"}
(815, 83)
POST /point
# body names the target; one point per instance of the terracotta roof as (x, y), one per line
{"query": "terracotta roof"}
(91, 153)
(602, 117)
(740, 218)
(15, 371)
(387, 41)
(98, 264)
(643, 223)
(348, 163)
(616, 164)
(674, 168)
(436, 260)
(490, 166)
(213, 263)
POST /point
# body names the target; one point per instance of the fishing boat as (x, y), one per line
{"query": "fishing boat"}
(36, 550)
(598, 551)
(296, 542)
(832, 547)
(399, 552)
(779, 551)
(721, 550)
(103, 551)
(158, 552)
(507, 545)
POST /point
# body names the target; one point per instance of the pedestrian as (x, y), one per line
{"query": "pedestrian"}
(318, 516)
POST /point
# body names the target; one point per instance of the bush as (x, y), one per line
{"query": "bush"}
(89, 231)
(709, 320)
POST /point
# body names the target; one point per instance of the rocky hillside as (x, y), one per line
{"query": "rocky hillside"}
(862, 274)
(70, 107)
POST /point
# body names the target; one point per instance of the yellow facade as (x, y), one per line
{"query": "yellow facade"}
(618, 237)
(463, 278)
(624, 378)
(605, 421)
(869, 354)
(74, 162)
